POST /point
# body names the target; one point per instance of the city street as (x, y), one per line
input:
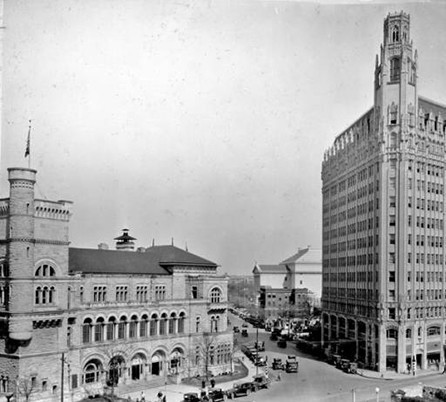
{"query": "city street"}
(319, 381)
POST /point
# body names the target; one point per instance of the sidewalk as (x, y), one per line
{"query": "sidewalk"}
(391, 375)
(175, 392)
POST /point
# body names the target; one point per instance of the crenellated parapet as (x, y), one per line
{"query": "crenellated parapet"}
(59, 210)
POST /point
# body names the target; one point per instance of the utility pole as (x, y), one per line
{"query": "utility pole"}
(62, 376)
(257, 350)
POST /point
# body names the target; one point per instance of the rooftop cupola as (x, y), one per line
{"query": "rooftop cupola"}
(125, 242)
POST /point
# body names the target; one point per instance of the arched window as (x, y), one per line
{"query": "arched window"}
(163, 324)
(45, 270)
(99, 330)
(143, 326)
(172, 319)
(111, 325)
(87, 330)
(217, 321)
(395, 67)
(153, 325)
(51, 295)
(215, 295)
(122, 326)
(392, 333)
(181, 321)
(408, 333)
(395, 34)
(433, 331)
(44, 299)
(133, 326)
(92, 371)
(38, 295)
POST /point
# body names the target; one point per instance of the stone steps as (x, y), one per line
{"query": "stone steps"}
(140, 386)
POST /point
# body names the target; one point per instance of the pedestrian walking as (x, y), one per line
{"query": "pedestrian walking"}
(143, 397)
(444, 368)
(161, 397)
(279, 378)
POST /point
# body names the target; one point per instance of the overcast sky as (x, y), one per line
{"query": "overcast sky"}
(205, 121)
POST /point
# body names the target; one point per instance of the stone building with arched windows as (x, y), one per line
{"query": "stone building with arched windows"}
(108, 317)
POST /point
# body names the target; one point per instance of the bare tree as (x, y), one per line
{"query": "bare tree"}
(234, 350)
(26, 386)
(206, 348)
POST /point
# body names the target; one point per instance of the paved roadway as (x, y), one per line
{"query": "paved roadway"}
(319, 381)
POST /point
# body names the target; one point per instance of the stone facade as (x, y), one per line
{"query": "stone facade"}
(383, 222)
(102, 317)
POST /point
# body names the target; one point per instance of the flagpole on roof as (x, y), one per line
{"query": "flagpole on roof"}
(28, 146)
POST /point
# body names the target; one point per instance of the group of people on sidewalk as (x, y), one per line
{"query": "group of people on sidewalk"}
(142, 398)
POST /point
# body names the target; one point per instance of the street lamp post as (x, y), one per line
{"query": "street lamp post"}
(377, 394)
(353, 395)
(257, 350)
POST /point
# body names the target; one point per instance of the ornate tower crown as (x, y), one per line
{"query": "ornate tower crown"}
(397, 29)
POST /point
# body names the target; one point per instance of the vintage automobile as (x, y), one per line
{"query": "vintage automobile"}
(217, 394)
(353, 368)
(278, 364)
(239, 389)
(261, 381)
(236, 329)
(245, 325)
(281, 343)
(191, 397)
(245, 333)
(344, 365)
(259, 361)
(273, 337)
(291, 364)
(260, 345)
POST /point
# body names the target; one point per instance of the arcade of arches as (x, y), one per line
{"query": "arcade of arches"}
(138, 366)
(387, 346)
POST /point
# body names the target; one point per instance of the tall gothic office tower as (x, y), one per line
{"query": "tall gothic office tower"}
(383, 225)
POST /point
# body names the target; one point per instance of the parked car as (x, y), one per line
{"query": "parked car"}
(261, 381)
(245, 333)
(216, 394)
(259, 361)
(191, 397)
(277, 364)
(353, 368)
(238, 389)
(273, 337)
(344, 365)
(236, 329)
(281, 343)
(245, 325)
(260, 345)
(292, 365)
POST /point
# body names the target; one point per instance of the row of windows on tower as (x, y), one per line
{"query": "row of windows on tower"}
(366, 173)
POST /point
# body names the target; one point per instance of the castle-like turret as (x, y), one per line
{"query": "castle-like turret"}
(20, 250)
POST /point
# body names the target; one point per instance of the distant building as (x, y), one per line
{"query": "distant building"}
(292, 286)
(383, 196)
